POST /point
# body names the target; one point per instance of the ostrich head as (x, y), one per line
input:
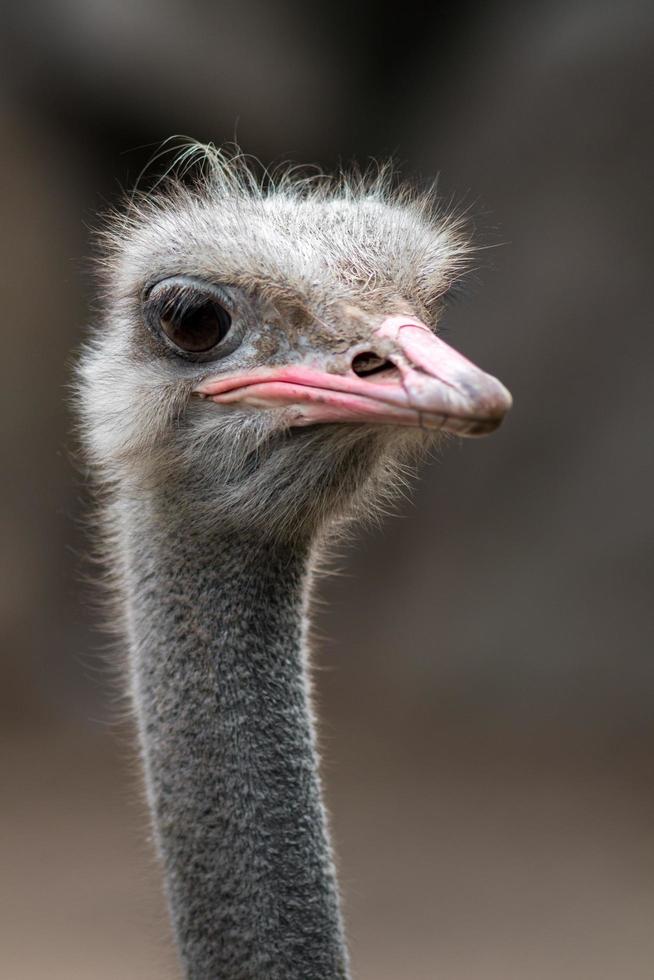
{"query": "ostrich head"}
(271, 352)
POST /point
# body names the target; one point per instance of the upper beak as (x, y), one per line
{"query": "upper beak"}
(420, 381)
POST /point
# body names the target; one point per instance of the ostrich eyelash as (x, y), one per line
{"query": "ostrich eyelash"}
(188, 290)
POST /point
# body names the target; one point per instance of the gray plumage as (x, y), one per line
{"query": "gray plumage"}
(214, 520)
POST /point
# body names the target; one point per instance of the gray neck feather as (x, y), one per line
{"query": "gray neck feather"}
(217, 658)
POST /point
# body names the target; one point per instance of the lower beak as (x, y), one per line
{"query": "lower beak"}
(418, 380)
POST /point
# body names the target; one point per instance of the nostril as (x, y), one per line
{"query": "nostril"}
(367, 363)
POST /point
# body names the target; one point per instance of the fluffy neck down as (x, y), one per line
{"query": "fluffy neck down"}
(218, 675)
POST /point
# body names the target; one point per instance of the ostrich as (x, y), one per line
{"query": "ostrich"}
(266, 366)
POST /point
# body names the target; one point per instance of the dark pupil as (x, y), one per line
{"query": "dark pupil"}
(198, 328)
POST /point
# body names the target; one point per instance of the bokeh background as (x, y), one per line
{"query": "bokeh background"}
(486, 677)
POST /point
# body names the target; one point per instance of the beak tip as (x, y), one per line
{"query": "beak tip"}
(503, 401)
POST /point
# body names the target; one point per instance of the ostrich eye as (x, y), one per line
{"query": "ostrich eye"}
(190, 315)
(197, 329)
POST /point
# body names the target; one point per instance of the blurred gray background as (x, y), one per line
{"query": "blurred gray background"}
(486, 666)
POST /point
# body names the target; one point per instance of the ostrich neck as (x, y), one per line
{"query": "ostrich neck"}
(216, 631)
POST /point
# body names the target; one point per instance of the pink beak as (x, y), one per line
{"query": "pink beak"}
(422, 382)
